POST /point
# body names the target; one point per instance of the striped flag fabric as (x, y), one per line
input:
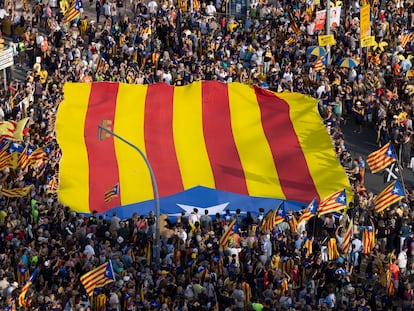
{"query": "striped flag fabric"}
(381, 158)
(267, 222)
(390, 284)
(22, 296)
(279, 216)
(347, 238)
(206, 142)
(390, 195)
(98, 277)
(13, 130)
(290, 40)
(333, 203)
(16, 192)
(101, 64)
(11, 156)
(333, 253)
(293, 222)
(406, 37)
(39, 154)
(224, 239)
(368, 240)
(112, 193)
(24, 158)
(321, 62)
(309, 247)
(73, 12)
(309, 212)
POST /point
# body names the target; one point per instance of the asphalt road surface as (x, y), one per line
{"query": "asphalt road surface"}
(363, 144)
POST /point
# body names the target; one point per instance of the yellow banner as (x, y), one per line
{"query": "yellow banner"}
(365, 24)
(326, 40)
(368, 41)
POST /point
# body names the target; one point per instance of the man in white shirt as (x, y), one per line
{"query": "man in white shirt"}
(211, 9)
(194, 217)
(402, 261)
(153, 6)
(3, 13)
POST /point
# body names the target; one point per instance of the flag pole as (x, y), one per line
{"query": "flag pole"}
(154, 185)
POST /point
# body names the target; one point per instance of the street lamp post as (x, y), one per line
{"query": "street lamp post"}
(154, 186)
(328, 28)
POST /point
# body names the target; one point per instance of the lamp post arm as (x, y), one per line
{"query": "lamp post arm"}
(154, 185)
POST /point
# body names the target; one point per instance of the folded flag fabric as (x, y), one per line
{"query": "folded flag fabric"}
(390, 195)
(380, 159)
(98, 277)
(16, 192)
(13, 130)
(24, 158)
(309, 212)
(406, 37)
(73, 12)
(22, 296)
(226, 138)
(112, 193)
(309, 247)
(225, 238)
(267, 222)
(332, 249)
(40, 154)
(333, 203)
(10, 158)
(347, 238)
(368, 240)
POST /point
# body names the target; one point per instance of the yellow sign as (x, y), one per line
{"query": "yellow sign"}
(368, 41)
(326, 40)
(365, 24)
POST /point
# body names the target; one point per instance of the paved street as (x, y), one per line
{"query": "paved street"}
(363, 144)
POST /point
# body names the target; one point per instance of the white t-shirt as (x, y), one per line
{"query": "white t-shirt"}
(152, 6)
(402, 260)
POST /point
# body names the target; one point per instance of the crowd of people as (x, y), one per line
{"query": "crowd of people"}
(286, 268)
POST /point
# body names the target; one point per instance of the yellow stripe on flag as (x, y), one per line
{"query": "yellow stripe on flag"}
(135, 179)
(69, 136)
(251, 143)
(188, 133)
(327, 174)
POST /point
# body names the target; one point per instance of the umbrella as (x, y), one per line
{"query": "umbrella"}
(316, 50)
(348, 62)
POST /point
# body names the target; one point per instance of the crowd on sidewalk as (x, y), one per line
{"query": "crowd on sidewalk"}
(289, 267)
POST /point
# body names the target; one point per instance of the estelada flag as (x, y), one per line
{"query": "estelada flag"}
(13, 130)
(229, 137)
(347, 238)
(333, 203)
(381, 158)
(390, 195)
(332, 249)
(16, 192)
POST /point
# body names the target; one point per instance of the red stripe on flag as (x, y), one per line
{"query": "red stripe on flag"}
(218, 135)
(292, 168)
(159, 139)
(103, 165)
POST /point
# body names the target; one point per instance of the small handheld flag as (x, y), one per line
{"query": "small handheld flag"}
(391, 194)
(309, 212)
(380, 159)
(333, 203)
(98, 277)
(112, 193)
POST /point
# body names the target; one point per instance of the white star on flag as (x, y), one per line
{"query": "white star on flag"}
(212, 210)
(342, 198)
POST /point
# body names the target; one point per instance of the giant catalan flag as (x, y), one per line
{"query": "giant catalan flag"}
(229, 137)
